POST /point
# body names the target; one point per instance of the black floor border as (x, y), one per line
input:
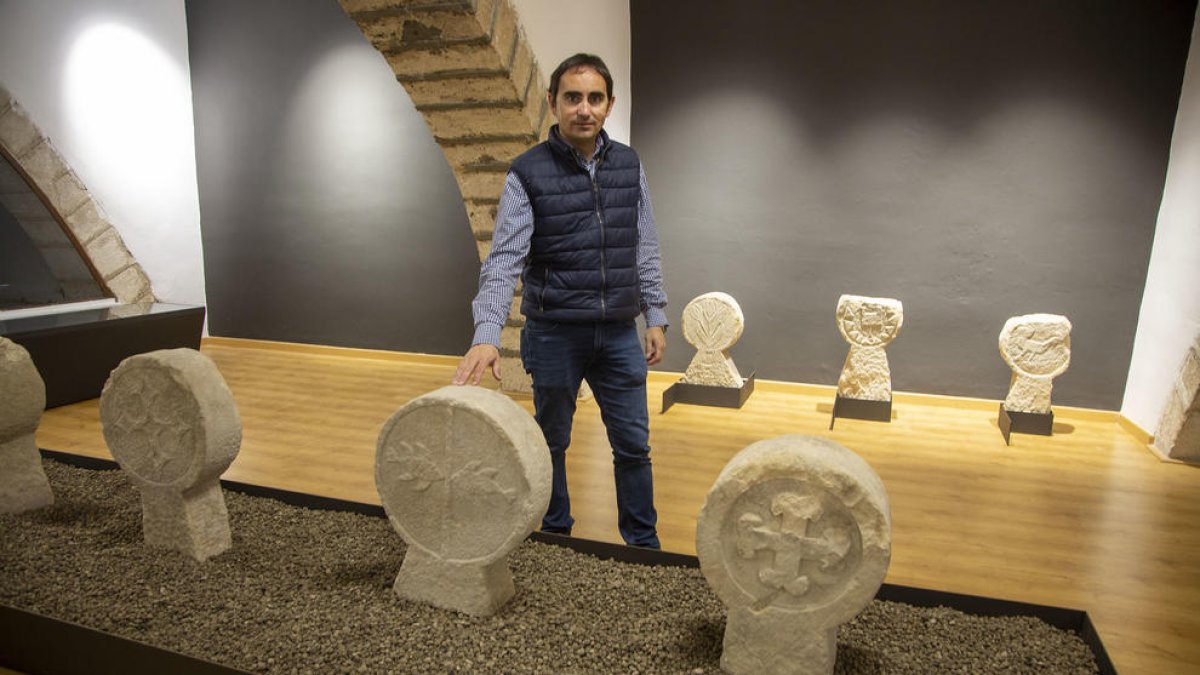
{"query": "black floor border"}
(32, 643)
(53, 633)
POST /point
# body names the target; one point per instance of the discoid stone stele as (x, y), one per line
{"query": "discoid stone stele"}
(868, 324)
(23, 484)
(171, 422)
(464, 475)
(795, 539)
(712, 323)
(1038, 349)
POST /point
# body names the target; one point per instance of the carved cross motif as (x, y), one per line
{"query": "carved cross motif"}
(787, 537)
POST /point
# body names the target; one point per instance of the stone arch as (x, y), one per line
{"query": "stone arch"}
(471, 73)
(70, 203)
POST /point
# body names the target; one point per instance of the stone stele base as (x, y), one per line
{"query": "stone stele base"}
(23, 484)
(762, 643)
(478, 589)
(193, 521)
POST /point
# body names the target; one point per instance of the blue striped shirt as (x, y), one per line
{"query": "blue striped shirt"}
(510, 246)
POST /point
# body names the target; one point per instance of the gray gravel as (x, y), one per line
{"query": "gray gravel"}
(307, 591)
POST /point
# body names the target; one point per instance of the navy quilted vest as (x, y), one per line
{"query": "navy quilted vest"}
(582, 263)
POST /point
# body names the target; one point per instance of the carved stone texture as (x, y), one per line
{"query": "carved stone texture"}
(795, 539)
(712, 323)
(868, 324)
(1038, 349)
(1178, 433)
(173, 426)
(464, 475)
(23, 484)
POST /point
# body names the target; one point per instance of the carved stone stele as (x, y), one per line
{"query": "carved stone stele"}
(464, 475)
(1178, 432)
(795, 538)
(1038, 349)
(712, 323)
(23, 484)
(173, 426)
(868, 324)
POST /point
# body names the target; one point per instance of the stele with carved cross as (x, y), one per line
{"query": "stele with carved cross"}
(171, 422)
(713, 323)
(464, 475)
(795, 538)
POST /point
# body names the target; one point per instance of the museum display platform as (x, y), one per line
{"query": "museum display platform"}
(76, 351)
(34, 643)
(1041, 424)
(701, 394)
(860, 409)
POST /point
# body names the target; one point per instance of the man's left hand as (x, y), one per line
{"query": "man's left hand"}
(656, 345)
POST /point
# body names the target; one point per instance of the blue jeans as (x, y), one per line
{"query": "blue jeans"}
(609, 356)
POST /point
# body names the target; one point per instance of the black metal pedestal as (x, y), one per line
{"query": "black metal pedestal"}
(1040, 424)
(700, 394)
(861, 409)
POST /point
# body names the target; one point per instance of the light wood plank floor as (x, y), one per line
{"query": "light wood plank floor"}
(1088, 519)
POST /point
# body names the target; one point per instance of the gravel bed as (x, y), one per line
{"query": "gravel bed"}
(306, 591)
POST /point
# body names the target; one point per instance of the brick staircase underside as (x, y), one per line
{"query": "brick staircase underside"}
(471, 73)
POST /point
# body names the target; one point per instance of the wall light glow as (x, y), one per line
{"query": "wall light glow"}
(128, 107)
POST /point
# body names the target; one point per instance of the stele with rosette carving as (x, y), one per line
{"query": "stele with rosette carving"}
(171, 422)
(795, 539)
(464, 475)
(868, 324)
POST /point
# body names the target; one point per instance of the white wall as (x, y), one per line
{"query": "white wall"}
(108, 81)
(557, 29)
(1170, 313)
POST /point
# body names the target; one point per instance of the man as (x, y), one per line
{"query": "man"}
(575, 223)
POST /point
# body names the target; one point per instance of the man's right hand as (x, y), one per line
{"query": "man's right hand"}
(476, 362)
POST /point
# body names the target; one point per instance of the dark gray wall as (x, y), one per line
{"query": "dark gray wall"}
(976, 160)
(328, 213)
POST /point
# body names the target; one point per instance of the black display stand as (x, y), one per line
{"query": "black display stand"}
(34, 643)
(701, 394)
(1040, 424)
(76, 351)
(860, 409)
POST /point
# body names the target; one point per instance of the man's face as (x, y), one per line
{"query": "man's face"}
(581, 107)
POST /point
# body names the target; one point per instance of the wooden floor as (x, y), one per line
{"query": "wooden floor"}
(1087, 519)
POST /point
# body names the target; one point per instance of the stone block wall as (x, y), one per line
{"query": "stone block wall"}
(1178, 433)
(83, 223)
(471, 73)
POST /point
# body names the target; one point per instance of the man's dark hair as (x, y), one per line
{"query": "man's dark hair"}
(580, 60)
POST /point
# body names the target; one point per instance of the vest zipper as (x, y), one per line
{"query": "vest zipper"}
(600, 218)
(542, 295)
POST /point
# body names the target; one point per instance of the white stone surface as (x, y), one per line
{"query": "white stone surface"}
(173, 426)
(795, 538)
(868, 324)
(464, 475)
(1038, 349)
(1178, 433)
(713, 323)
(23, 484)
